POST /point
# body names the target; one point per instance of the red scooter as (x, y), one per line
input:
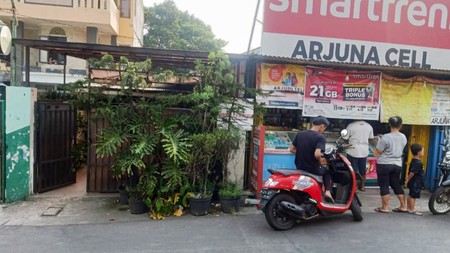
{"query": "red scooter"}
(288, 196)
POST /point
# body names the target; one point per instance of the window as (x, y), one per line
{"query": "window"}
(125, 7)
(56, 34)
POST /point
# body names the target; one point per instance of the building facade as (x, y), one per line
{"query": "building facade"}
(107, 22)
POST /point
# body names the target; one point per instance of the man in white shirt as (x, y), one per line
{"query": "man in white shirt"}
(359, 134)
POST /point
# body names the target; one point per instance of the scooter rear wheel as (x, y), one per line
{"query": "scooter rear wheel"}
(439, 202)
(275, 216)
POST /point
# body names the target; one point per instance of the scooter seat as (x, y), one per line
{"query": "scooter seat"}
(296, 172)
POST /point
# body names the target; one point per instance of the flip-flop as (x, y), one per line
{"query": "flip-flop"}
(379, 210)
(416, 213)
(398, 210)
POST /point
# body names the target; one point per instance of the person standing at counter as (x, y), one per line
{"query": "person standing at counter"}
(308, 147)
(359, 134)
(389, 165)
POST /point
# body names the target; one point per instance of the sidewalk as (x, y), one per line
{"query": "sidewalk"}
(45, 210)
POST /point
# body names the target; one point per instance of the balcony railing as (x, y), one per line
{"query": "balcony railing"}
(103, 14)
(91, 4)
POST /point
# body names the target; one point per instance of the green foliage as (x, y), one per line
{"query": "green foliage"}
(230, 190)
(172, 151)
(80, 148)
(202, 157)
(169, 28)
(145, 142)
(106, 62)
(109, 140)
(176, 146)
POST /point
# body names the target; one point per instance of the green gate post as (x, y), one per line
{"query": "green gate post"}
(18, 155)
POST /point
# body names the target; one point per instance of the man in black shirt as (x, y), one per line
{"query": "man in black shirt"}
(308, 147)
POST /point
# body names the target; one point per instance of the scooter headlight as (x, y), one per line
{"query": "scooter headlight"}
(270, 182)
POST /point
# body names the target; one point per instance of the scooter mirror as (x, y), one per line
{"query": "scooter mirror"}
(344, 132)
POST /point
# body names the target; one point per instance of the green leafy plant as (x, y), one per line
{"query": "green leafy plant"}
(170, 143)
(201, 161)
(230, 190)
(145, 143)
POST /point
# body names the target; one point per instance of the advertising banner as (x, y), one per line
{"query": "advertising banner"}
(417, 102)
(409, 100)
(390, 33)
(282, 85)
(342, 94)
(440, 105)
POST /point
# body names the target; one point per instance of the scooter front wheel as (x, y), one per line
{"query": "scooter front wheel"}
(356, 210)
(439, 202)
(275, 216)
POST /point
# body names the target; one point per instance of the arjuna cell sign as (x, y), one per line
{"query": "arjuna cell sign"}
(403, 33)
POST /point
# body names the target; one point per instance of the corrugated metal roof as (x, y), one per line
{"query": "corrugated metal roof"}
(159, 57)
(391, 70)
(187, 59)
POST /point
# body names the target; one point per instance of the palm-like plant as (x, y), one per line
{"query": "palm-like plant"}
(146, 144)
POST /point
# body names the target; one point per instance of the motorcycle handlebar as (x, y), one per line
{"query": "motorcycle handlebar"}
(444, 166)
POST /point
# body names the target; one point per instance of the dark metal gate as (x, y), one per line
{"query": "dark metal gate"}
(55, 139)
(99, 172)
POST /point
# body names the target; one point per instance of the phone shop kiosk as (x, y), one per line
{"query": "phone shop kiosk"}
(270, 151)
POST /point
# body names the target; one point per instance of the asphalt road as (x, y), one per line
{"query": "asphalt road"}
(392, 232)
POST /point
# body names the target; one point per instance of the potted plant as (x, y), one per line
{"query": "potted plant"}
(123, 195)
(149, 146)
(230, 197)
(136, 202)
(198, 169)
(199, 201)
(213, 142)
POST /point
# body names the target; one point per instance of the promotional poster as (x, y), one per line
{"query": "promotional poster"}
(282, 85)
(342, 94)
(420, 102)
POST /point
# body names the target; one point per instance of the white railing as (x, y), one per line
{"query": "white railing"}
(94, 4)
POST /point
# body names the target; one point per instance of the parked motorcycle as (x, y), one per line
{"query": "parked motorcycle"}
(288, 196)
(439, 202)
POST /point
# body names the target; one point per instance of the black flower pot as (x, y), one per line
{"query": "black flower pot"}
(199, 206)
(123, 196)
(230, 204)
(137, 206)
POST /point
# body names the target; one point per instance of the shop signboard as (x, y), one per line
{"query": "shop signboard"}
(282, 85)
(440, 105)
(411, 34)
(342, 94)
(418, 102)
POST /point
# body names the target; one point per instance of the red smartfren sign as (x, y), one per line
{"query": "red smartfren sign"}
(403, 33)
